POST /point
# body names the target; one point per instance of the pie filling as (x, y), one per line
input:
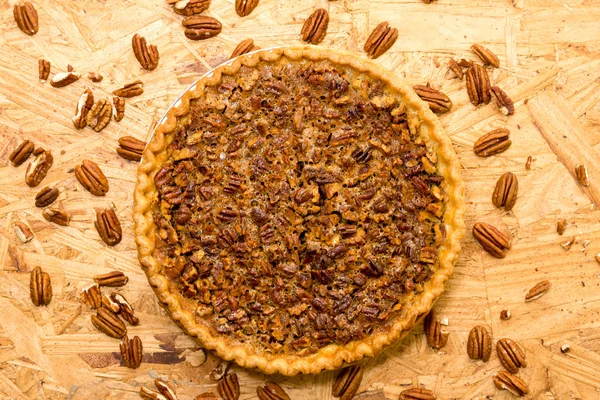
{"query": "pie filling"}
(298, 207)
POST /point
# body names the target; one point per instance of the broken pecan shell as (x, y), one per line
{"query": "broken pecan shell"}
(46, 196)
(229, 387)
(381, 40)
(63, 79)
(492, 143)
(21, 153)
(84, 105)
(479, 344)
(485, 55)
(504, 103)
(417, 394)
(478, 85)
(131, 351)
(26, 18)
(433, 331)
(92, 178)
(44, 69)
(57, 216)
(108, 226)
(201, 27)
(347, 382)
(40, 287)
(38, 169)
(315, 27)
(511, 355)
(147, 55)
(507, 381)
(243, 8)
(131, 148)
(130, 90)
(438, 102)
(505, 193)
(245, 46)
(491, 239)
(99, 115)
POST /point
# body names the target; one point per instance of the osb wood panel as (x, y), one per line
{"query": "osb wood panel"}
(549, 52)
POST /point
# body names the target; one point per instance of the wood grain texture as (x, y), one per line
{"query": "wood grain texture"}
(548, 52)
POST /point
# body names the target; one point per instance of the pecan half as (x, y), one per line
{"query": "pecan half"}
(245, 7)
(44, 69)
(92, 178)
(485, 55)
(582, 175)
(504, 103)
(131, 148)
(91, 296)
(479, 345)
(126, 311)
(165, 389)
(84, 105)
(63, 79)
(229, 387)
(511, 355)
(438, 102)
(207, 396)
(38, 168)
(245, 46)
(131, 351)
(110, 304)
(26, 18)
(433, 331)
(46, 196)
(190, 7)
(118, 108)
(40, 287)
(148, 394)
(109, 323)
(23, 232)
(108, 226)
(505, 193)
(112, 279)
(538, 291)
(478, 85)
(494, 142)
(271, 391)
(417, 394)
(454, 67)
(95, 77)
(491, 239)
(380, 40)
(201, 27)
(57, 216)
(147, 55)
(21, 153)
(99, 115)
(347, 382)
(507, 381)
(220, 370)
(561, 226)
(130, 90)
(315, 27)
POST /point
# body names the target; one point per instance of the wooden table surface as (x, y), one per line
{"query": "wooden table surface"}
(550, 66)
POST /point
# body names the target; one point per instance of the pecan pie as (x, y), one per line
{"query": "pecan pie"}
(298, 209)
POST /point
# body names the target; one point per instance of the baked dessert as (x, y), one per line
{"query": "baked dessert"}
(297, 209)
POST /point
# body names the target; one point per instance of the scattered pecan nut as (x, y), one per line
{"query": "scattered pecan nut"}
(165, 389)
(148, 394)
(201, 27)
(44, 69)
(130, 90)
(109, 323)
(40, 287)
(417, 393)
(567, 244)
(57, 216)
(479, 344)
(92, 178)
(38, 169)
(380, 40)
(504, 103)
(21, 153)
(507, 381)
(112, 279)
(454, 67)
(188, 8)
(438, 102)
(220, 371)
(243, 8)
(63, 79)
(99, 115)
(538, 291)
(126, 311)
(505, 193)
(131, 351)
(581, 173)
(347, 382)
(95, 77)
(315, 27)
(207, 396)
(229, 387)
(511, 355)
(245, 46)
(492, 143)
(91, 296)
(436, 338)
(84, 105)
(110, 304)
(131, 148)
(118, 108)
(528, 163)
(465, 63)
(108, 226)
(46, 196)
(478, 85)
(23, 232)
(147, 55)
(271, 391)
(561, 226)
(485, 55)
(491, 239)
(26, 18)
(505, 315)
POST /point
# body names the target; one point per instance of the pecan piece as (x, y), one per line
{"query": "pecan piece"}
(347, 382)
(505, 315)
(99, 115)
(381, 39)
(23, 232)
(505, 193)
(91, 296)
(148, 394)
(315, 27)
(26, 18)
(478, 85)
(126, 311)
(245, 46)
(108, 226)
(582, 175)
(208, 396)
(84, 105)
(567, 244)
(131, 148)
(56, 215)
(38, 169)
(46, 196)
(112, 279)
(271, 391)
(40, 287)
(479, 345)
(229, 387)
(507, 381)
(438, 102)
(243, 8)
(491, 239)
(95, 77)
(92, 178)
(494, 142)
(511, 355)
(433, 331)
(63, 79)
(131, 351)
(165, 389)
(561, 226)
(130, 90)
(201, 27)
(190, 7)
(504, 103)
(417, 393)
(44, 69)
(538, 291)
(17, 258)
(485, 55)
(118, 110)
(110, 304)
(454, 67)
(21, 153)
(147, 55)
(109, 323)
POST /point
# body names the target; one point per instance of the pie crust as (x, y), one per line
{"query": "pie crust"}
(331, 356)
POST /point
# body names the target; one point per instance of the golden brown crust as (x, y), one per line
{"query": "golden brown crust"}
(333, 355)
